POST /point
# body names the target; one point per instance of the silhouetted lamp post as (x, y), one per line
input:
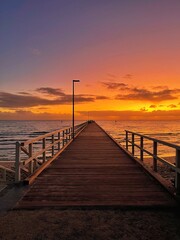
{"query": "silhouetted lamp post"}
(74, 81)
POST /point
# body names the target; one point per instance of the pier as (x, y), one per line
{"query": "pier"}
(90, 171)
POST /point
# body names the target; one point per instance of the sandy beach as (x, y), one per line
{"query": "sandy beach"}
(90, 224)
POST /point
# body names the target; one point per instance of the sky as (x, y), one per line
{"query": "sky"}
(126, 54)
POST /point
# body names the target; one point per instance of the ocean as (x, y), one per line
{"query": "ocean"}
(12, 131)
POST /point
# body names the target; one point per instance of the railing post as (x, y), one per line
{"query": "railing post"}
(177, 179)
(133, 144)
(53, 145)
(17, 163)
(59, 144)
(44, 146)
(154, 156)
(141, 150)
(66, 136)
(63, 139)
(127, 140)
(71, 132)
(31, 164)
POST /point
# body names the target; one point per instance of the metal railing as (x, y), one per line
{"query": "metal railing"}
(132, 139)
(33, 153)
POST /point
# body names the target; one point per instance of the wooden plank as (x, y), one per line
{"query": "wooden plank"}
(94, 171)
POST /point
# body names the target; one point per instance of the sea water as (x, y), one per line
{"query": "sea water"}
(12, 131)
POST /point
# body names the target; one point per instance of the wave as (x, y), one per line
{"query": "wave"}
(12, 131)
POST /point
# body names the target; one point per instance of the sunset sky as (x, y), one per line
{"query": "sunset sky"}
(126, 54)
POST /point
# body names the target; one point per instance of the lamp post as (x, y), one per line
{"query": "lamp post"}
(74, 81)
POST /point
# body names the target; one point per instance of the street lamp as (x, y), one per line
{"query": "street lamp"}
(74, 81)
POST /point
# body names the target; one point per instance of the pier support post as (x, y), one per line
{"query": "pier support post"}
(177, 180)
(17, 163)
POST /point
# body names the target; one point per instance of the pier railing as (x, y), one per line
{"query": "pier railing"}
(35, 153)
(136, 140)
(4, 172)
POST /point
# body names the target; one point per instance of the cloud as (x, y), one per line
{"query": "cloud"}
(114, 85)
(9, 100)
(58, 92)
(172, 106)
(51, 91)
(143, 109)
(147, 95)
(152, 106)
(128, 76)
(102, 97)
(112, 76)
(42, 108)
(138, 93)
(24, 93)
(160, 87)
(24, 100)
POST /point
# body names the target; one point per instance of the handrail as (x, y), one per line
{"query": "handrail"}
(154, 139)
(48, 147)
(154, 154)
(4, 172)
(42, 136)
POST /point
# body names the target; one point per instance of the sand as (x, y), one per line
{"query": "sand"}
(90, 225)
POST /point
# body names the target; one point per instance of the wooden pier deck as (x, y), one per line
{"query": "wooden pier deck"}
(92, 172)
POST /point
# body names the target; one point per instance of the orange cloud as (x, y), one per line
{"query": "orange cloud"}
(142, 94)
(152, 106)
(172, 106)
(115, 85)
(147, 95)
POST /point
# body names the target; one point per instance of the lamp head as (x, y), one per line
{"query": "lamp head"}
(76, 80)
